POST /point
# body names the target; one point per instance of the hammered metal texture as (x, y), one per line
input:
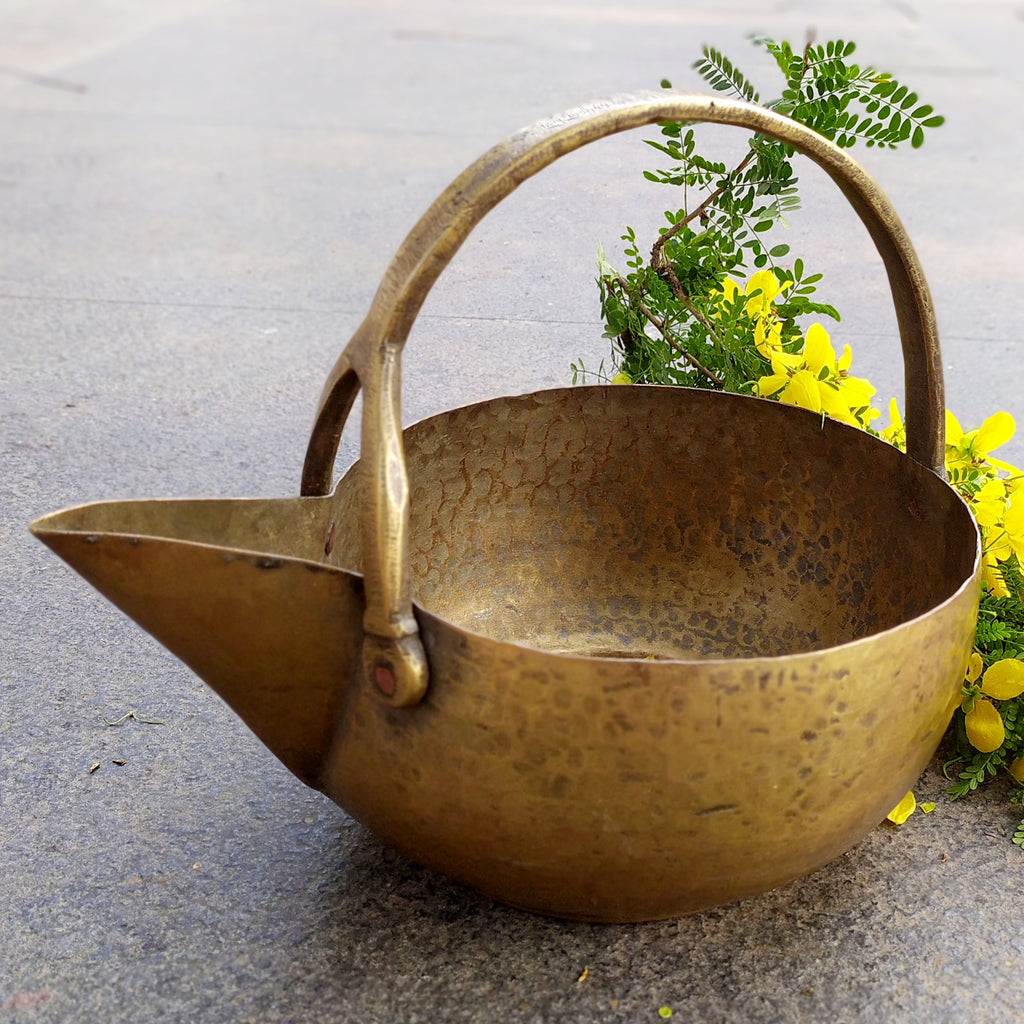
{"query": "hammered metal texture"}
(642, 522)
(565, 545)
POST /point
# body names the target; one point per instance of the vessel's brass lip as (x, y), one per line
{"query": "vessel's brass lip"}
(659, 664)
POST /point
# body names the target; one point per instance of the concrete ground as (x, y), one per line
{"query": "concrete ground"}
(197, 199)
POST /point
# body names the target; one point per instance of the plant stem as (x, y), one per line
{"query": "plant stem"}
(663, 330)
(658, 259)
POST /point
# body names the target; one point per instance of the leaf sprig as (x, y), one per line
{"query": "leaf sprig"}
(663, 314)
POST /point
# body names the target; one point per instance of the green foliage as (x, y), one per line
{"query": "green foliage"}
(1000, 632)
(845, 102)
(973, 772)
(663, 313)
(999, 635)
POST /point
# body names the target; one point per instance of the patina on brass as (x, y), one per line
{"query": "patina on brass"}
(612, 653)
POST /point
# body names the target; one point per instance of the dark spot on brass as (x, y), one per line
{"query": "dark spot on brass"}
(808, 735)
(329, 543)
(269, 563)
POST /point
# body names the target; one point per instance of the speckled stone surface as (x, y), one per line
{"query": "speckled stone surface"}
(197, 199)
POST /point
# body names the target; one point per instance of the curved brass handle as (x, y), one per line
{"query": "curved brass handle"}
(393, 654)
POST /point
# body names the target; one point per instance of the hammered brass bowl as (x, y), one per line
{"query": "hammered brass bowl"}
(610, 652)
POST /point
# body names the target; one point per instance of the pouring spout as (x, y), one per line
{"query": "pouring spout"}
(278, 637)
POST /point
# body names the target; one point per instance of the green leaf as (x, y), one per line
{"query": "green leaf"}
(778, 251)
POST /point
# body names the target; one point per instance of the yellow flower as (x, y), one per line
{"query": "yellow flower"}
(976, 473)
(973, 447)
(998, 507)
(992, 576)
(815, 379)
(974, 667)
(1017, 768)
(1003, 680)
(896, 432)
(763, 288)
(989, 503)
(903, 810)
(984, 726)
(1013, 521)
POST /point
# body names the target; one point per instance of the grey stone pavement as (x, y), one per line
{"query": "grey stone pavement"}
(197, 199)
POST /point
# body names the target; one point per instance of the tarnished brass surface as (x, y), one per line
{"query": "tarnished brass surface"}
(612, 653)
(391, 646)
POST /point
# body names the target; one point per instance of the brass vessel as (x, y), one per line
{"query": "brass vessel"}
(612, 653)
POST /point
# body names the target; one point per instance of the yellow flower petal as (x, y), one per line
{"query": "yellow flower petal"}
(818, 350)
(1013, 523)
(729, 290)
(974, 667)
(767, 386)
(954, 434)
(622, 378)
(767, 284)
(1004, 680)
(989, 503)
(904, 809)
(985, 726)
(767, 335)
(996, 544)
(992, 577)
(895, 433)
(803, 390)
(1017, 768)
(895, 418)
(835, 403)
(1007, 468)
(996, 430)
(855, 393)
(782, 362)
